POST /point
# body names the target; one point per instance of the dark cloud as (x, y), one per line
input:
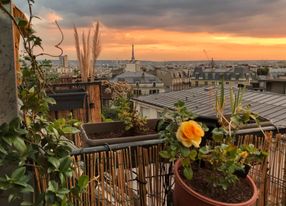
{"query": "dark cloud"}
(238, 17)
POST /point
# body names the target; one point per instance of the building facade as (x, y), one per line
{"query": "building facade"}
(174, 79)
(212, 76)
(142, 83)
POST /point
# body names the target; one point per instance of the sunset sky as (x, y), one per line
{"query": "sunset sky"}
(165, 30)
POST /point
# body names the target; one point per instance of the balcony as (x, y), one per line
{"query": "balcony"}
(133, 173)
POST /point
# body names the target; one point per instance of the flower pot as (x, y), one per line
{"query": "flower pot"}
(92, 131)
(186, 196)
(68, 99)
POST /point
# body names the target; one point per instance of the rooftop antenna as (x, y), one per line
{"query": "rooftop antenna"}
(212, 63)
(205, 52)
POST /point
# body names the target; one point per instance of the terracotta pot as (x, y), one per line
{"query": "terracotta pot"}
(185, 196)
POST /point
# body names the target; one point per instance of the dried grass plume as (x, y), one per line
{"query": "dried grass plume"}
(87, 52)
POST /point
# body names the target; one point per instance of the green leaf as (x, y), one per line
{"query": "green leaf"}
(19, 144)
(236, 120)
(28, 189)
(186, 162)
(70, 130)
(83, 182)
(65, 164)
(53, 186)
(185, 151)
(62, 178)
(188, 173)
(218, 134)
(193, 154)
(25, 203)
(50, 100)
(54, 161)
(179, 104)
(18, 173)
(22, 22)
(15, 123)
(11, 197)
(165, 154)
(3, 151)
(32, 90)
(204, 150)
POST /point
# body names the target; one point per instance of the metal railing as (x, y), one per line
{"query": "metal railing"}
(134, 174)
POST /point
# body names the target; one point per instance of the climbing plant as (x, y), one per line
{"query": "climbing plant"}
(35, 155)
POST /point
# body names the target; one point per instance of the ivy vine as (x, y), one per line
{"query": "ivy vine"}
(34, 148)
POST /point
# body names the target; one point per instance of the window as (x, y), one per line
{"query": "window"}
(196, 83)
(154, 91)
(154, 84)
(137, 92)
(206, 83)
(159, 115)
(144, 111)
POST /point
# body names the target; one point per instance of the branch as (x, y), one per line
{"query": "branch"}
(57, 45)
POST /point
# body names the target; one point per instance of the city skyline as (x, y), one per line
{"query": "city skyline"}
(169, 30)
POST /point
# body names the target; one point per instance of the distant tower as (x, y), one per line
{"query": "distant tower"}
(133, 65)
(63, 61)
(133, 55)
(212, 64)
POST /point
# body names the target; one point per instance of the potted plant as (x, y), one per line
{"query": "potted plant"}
(129, 125)
(211, 174)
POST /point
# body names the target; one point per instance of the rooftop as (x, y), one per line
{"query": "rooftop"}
(201, 101)
(133, 77)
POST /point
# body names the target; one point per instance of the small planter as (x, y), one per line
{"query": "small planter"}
(90, 132)
(186, 196)
(68, 99)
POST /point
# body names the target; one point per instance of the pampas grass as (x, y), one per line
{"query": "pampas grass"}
(96, 49)
(88, 52)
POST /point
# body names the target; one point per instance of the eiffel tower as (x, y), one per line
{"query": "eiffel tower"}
(133, 55)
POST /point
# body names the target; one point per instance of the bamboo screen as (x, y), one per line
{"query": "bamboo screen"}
(136, 176)
(131, 176)
(270, 177)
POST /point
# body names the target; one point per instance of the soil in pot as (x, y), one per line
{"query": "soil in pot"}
(239, 192)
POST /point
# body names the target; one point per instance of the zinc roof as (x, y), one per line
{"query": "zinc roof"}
(201, 101)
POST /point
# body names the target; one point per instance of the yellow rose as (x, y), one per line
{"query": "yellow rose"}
(190, 133)
(244, 154)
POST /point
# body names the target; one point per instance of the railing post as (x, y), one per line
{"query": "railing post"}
(8, 88)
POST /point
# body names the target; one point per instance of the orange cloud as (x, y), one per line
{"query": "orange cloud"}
(53, 16)
(162, 45)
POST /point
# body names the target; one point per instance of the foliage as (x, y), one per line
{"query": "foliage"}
(263, 71)
(123, 107)
(223, 156)
(174, 148)
(32, 145)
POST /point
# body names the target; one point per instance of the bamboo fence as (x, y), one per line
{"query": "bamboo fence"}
(137, 176)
